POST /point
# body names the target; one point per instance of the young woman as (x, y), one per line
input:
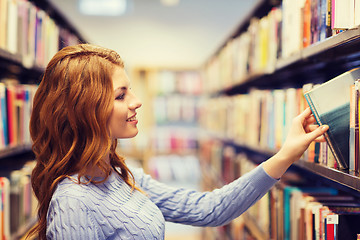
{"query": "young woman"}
(85, 190)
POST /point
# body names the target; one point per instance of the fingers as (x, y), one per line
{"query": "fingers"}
(317, 133)
(306, 117)
(320, 139)
(311, 127)
(311, 119)
(305, 114)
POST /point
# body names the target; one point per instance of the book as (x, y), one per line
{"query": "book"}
(12, 27)
(343, 226)
(3, 23)
(11, 113)
(291, 32)
(354, 128)
(306, 23)
(323, 19)
(357, 12)
(343, 14)
(330, 104)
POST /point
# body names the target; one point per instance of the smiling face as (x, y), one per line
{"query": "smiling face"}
(122, 122)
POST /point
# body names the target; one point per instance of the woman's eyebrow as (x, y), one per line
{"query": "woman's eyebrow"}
(121, 88)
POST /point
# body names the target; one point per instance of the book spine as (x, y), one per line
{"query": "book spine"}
(331, 220)
(356, 106)
(316, 115)
(352, 141)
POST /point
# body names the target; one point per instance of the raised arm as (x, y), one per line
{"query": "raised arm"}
(206, 208)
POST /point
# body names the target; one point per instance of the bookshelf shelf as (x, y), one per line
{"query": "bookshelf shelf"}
(11, 151)
(261, 154)
(340, 177)
(343, 178)
(334, 55)
(9, 57)
(335, 44)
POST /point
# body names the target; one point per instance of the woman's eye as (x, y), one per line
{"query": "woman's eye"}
(120, 97)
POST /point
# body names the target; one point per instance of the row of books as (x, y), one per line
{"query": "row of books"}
(15, 111)
(175, 168)
(176, 108)
(263, 117)
(30, 32)
(258, 118)
(187, 82)
(18, 203)
(293, 209)
(283, 32)
(308, 212)
(174, 139)
(303, 212)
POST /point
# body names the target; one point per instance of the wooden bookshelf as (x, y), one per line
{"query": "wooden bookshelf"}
(342, 50)
(343, 178)
(15, 150)
(11, 66)
(337, 46)
(334, 56)
(316, 64)
(10, 57)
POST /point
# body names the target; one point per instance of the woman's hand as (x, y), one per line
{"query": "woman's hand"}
(301, 134)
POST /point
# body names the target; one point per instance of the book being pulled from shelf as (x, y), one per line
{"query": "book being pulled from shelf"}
(330, 104)
(354, 129)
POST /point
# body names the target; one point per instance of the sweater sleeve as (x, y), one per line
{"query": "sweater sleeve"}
(214, 208)
(69, 218)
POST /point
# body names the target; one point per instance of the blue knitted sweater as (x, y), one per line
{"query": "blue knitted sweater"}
(111, 210)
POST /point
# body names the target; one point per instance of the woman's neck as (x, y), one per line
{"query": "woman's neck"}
(95, 171)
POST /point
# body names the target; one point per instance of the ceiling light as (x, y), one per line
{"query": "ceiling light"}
(103, 7)
(170, 2)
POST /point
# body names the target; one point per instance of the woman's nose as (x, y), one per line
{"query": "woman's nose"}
(135, 103)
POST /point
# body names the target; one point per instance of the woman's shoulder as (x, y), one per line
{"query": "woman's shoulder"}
(70, 187)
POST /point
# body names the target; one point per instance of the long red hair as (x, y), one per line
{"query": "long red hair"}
(68, 123)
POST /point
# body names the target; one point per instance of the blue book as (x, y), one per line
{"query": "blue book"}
(330, 104)
(3, 109)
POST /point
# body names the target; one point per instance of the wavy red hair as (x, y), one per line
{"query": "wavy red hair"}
(69, 120)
